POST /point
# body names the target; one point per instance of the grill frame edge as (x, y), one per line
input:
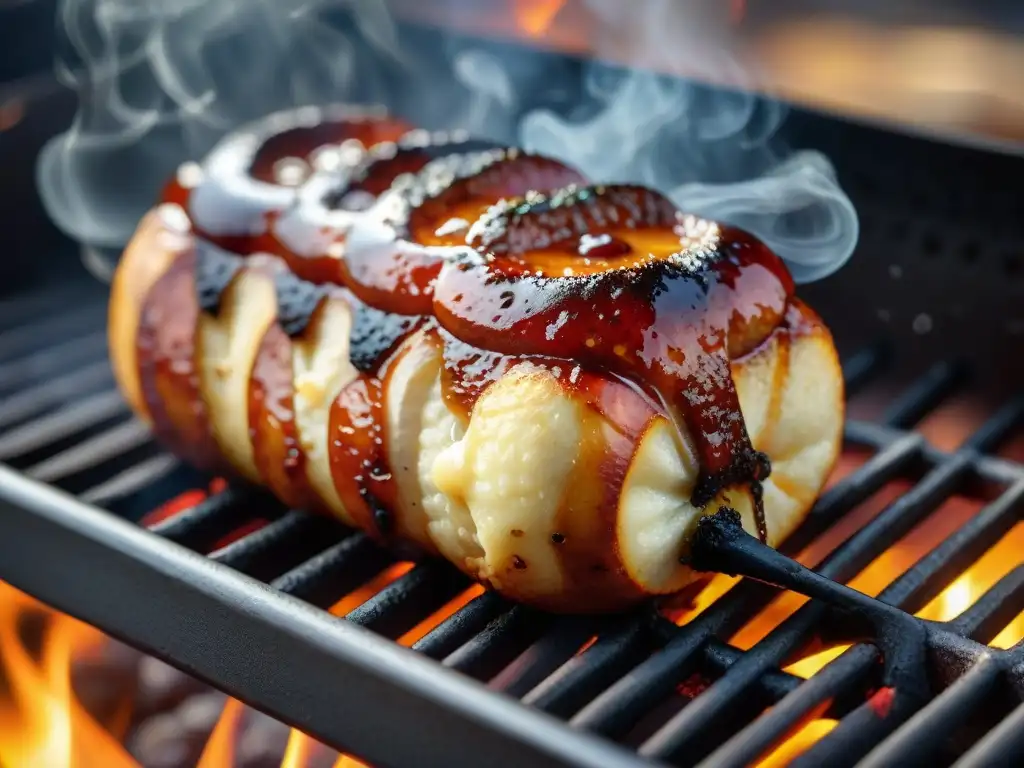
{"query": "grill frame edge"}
(181, 606)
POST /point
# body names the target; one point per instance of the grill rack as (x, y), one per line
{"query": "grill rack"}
(271, 645)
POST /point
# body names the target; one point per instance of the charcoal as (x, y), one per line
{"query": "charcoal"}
(176, 739)
(161, 687)
(105, 680)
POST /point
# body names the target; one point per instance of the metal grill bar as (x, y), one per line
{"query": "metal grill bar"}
(1002, 746)
(925, 394)
(54, 393)
(862, 367)
(720, 656)
(623, 704)
(920, 739)
(864, 726)
(54, 332)
(853, 737)
(284, 543)
(991, 468)
(616, 681)
(933, 572)
(457, 630)
(131, 480)
(106, 446)
(994, 609)
(324, 579)
(911, 591)
(586, 675)
(618, 708)
(687, 730)
(202, 526)
(838, 680)
(25, 309)
(317, 672)
(540, 660)
(20, 444)
(498, 644)
(404, 602)
(53, 361)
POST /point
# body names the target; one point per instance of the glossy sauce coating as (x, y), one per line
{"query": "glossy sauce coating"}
(238, 201)
(166, 355)
(616, 279)
(392, 257)
(609, 288)
(277, 449)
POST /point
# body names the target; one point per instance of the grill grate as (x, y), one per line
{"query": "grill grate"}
(317, 672)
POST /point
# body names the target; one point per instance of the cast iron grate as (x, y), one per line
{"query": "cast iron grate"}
(936, 693)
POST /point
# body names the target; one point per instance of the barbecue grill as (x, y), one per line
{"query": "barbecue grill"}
(500, 682)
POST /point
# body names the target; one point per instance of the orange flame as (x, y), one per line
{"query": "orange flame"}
(220, 748)
(798, 743)
(41, 723)
(299, 750)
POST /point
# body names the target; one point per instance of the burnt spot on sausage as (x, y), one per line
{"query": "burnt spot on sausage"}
(382, 517)
(215, 269)
(557, 538)
(516, 533)
(297, 300)
(376, 333)
(518, 563)
(388, 161)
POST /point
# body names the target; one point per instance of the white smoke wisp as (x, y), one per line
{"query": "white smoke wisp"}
(712, 151)
(492, 99)
(159, 81)
(797, 209)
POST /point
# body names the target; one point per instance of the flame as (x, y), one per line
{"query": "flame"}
(41, 722)
(534, 17)
(220, 748)
(299, 750)
(798, 743)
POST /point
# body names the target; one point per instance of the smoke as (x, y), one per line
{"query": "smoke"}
(160, 81)
(713, 151)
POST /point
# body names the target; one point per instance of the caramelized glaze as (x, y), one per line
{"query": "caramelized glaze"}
(616, 279)
(237, 201)
(634, 307)
(277, 449)
(166, 358)
(391, 258)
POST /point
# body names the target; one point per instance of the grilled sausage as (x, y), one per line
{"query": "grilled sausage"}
(527, 444)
